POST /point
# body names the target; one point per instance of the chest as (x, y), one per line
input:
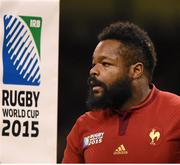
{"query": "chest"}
(143, 140)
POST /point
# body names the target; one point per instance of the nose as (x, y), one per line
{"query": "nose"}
(94, 71)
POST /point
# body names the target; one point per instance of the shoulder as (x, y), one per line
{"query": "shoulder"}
(93, 119)
(170, 98)
(91, 116)
(169, 105)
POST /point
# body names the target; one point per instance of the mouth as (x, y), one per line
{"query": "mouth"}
(96, 87)
(97, 90)
(94, 84)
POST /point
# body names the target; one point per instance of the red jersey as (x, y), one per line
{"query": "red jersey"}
(147, 133)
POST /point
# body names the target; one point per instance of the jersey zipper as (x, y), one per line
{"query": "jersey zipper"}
(123, 122)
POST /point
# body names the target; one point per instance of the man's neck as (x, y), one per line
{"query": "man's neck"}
(139, 94)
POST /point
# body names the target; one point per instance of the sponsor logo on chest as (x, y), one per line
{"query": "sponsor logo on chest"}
(93, 139)
(120, 150)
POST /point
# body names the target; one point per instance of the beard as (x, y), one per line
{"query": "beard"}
(112, 97)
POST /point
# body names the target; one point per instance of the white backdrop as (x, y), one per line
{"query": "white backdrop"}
(28, 112)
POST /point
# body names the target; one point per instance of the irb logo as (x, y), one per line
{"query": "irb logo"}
(21, 50)
(35, 23)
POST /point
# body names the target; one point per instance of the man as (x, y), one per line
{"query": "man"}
(130, 121)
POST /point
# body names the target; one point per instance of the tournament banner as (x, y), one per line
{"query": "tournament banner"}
(29, 32)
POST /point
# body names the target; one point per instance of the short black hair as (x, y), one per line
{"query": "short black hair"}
(139, 45)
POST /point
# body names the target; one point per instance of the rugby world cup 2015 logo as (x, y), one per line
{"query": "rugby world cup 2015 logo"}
(21, 50)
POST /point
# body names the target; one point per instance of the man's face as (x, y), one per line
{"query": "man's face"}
(109, 84)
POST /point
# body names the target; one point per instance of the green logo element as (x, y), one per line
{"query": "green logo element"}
(34, 24)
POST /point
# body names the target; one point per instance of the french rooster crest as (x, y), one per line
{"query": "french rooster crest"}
(154, 135)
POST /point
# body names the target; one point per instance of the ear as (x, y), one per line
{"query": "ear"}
(136, 70)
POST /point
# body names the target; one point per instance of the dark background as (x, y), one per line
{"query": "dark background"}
(80, 23)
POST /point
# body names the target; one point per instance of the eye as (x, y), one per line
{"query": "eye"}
(106, 64)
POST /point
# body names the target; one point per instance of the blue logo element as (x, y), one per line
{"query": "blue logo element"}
(21, 58)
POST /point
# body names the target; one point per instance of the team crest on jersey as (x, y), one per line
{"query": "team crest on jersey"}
(155, 136)
(93, 139)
